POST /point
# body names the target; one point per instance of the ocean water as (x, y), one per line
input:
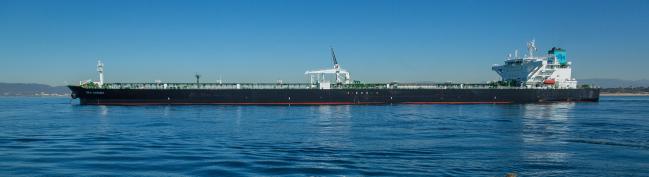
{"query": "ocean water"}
(57, 137)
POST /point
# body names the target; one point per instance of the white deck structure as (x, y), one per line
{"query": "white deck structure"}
(547, 71)
(318, 76)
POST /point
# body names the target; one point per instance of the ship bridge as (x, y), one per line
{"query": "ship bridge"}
(547, 71)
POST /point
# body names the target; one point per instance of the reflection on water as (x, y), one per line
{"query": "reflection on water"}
(42, 136)
(333, 125)
(103, 126)
(166, 110)
(554, 111)
(546, 129)
(544, 122)
(103, 110)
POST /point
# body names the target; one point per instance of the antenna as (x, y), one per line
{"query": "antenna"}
(516, 53)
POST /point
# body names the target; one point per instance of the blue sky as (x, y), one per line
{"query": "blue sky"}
(58, 42)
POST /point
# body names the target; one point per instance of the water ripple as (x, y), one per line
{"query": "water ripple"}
(48, 136)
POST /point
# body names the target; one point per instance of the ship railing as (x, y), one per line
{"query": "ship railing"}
(207, 86)
(308, 86)
(442, 86)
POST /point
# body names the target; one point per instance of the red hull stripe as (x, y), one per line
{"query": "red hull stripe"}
(463, 102)
(249, 103)
(300, 103)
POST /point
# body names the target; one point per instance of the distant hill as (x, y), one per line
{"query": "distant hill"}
(615, 83)
(19, 89)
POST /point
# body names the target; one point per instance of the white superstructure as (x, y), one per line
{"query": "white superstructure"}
(318, 76)
(546, 71)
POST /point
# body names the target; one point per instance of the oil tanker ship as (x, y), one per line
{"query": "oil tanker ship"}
(527, 79)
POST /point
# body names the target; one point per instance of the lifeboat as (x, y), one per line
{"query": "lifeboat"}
(549, 82)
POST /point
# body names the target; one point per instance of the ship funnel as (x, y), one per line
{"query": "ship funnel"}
(559, 55)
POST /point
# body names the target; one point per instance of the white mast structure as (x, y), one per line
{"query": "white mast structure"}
(100, 70)
(342, 76)
(531, 48)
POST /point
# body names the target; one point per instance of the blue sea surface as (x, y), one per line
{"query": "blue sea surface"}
(58, 137)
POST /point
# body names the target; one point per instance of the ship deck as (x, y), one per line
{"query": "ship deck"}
(215, 86)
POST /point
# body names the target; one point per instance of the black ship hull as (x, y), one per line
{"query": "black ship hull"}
(331, 96)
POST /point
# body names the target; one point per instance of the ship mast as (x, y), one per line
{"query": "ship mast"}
(531, 48)
(336, 66)
(100, 70)
(333, 57)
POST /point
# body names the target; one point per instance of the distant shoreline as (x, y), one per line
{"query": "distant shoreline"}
(624, 94)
